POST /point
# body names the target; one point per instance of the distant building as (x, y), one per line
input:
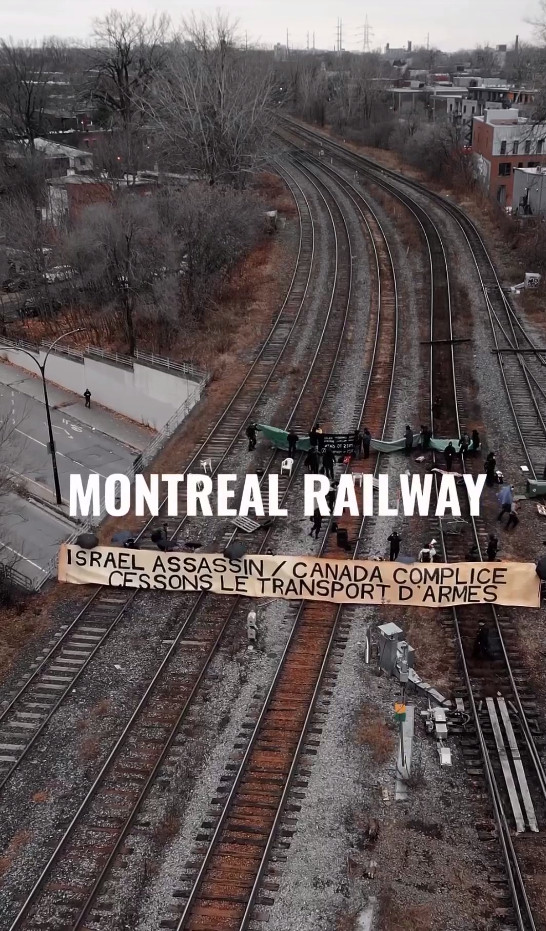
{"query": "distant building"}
(529, 195)
(60, 160)
(501, 142)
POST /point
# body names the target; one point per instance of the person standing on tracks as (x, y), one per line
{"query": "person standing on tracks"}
(328, 461)
(312, 461)
(251, 434)
(408, 440)
(464, 443)
(320, 437)
(313, 438)
(490, 469)
(331, 496)
(505, 498)
(358, 440)
(394, 541)
(481, 645)
(513, 519)
(292, 438)
(317, 523)
(366, 440)
(426, 436)
(475, 443)
(449, 452)
(492, 547)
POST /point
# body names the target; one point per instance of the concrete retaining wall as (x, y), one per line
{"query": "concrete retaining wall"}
(142, 392)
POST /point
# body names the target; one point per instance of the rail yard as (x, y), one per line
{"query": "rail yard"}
(156, 771)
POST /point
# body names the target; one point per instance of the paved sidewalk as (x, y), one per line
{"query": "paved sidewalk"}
(96, 418)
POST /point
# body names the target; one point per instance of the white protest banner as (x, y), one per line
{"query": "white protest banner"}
(430, 585)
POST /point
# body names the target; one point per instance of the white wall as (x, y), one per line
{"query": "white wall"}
(147, 395)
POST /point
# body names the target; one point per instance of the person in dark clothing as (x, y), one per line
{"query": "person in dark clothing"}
(161, 538)
(394, 541)
(481, 645)
(317, 523)
(331, 498)
(313, 437)
(87, 396)
(426, 436)
(251, 434)
(492, 547)
(312, 461)
(328, 460)
(408, 440)
(357, 444)
(320, 437)
(464, 443)
(513, 519)
(449, 452)
(490, 469)
(366, 440)
(475, 443)
(292, 438)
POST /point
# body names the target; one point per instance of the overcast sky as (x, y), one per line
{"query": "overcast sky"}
(450, 25)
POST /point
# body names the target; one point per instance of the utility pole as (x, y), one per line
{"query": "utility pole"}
(287, 45)
(428, 37)
(367, 33)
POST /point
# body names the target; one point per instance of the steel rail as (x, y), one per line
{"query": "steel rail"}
(119, 743)
(515, 877)
(95, 599)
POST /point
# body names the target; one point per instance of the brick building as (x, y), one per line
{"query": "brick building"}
(501, 142)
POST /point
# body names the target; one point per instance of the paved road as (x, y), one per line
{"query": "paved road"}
(79, 448)
(29, 535)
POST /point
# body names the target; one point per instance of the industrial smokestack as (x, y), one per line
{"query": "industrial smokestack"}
(516, 45)
(409, 46)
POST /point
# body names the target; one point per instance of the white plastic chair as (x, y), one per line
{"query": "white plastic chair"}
(286, 466)
(206, 465)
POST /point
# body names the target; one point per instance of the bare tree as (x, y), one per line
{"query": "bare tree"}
(130, 52)
(24, 91)
(213, 107)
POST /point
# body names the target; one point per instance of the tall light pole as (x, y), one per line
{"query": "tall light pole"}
(41, 366)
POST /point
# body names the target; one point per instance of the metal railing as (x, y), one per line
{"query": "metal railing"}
(182, 369)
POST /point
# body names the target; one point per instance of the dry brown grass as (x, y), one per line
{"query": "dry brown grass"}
(373, 731)
(42, 796)
(17, 842)
(90, 749)
(396, 914)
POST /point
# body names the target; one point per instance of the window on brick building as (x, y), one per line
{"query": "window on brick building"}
(540, 143)
(503, 147)
(504, 169)
(501, 194)
(528, 148)
(515, 148)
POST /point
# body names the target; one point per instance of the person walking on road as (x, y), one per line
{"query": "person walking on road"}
(426, 436)
(292, 438)
(366, 440)
(317, 523)
(475, 444)
(357, 444)
(408, 440)
(87, 396)
(464, 443)
(394, 541)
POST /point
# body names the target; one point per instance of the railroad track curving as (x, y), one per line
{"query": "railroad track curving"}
(127, 774)
(505, 678)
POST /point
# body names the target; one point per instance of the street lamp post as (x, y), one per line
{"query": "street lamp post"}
(41, 366)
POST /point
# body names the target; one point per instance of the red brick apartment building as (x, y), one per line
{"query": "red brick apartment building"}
(502, 141)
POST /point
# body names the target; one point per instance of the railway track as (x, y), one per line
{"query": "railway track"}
(26, 714)
(234, 873)
(128, 772)
(504, 681)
